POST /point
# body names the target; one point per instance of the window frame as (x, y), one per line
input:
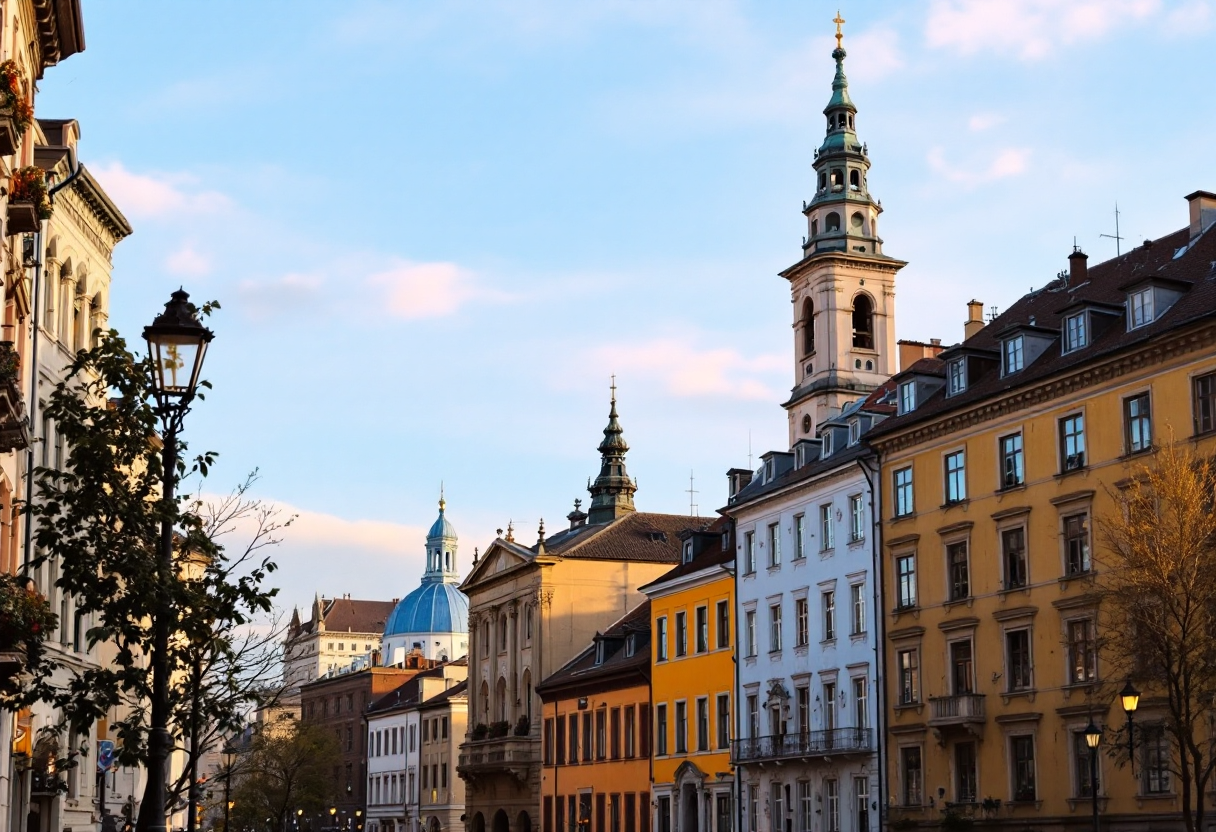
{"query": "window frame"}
(907, 397)
(660, 642)
(857, 605)
(774, 545)
(749, 552)
(1087, 646)
(1014, 578)
(827, 601)
(826, 528)
(1019, 667)
(802, 619)
(774, 628)
(1071, 434)
(954, 487)
(1141, 308)
(1075, 332)
(956, 376)
(907, 668)
(1203, 403)
(903, 488)
(1022, 768)
(905, 581)
(681, 633)
(958, 570)
(1138, 427)
(1013, 355)
(723, 624)
(1012, 448)
(1077, 563)
(857, 518)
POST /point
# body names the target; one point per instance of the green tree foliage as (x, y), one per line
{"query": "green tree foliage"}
(287, 767)
(98, 522)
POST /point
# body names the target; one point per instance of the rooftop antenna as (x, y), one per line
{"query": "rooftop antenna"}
(692, 493)
(1115, 236)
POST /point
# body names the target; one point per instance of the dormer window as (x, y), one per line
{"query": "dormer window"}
(631, 644)
(854, 431)
(1014, 355)
(827, 444)
(1140, 308)
(956, 377)
(1076, 333)
(907, 397)
(687, 551)
(768, 470)
(600, 652)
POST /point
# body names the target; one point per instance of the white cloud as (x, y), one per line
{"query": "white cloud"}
(984, 121)
(429, 290)
(188, 261)
(157, 195)
(1030, 29)
(1009, 162)
(687, 371)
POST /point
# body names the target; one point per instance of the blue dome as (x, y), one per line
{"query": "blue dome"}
(431, 608)
(441, 527)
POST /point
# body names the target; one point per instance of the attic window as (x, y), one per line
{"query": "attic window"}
(1140, 308)
(907, 397)
(687, 551)
(657, 536)
(768, 470)
(854, 431)
(827, 444)
(631, 644)
(599, 652)
(1014, 354)
(956, 377)
(1075, 332)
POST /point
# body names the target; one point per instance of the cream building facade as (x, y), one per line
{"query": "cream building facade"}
(340, 632)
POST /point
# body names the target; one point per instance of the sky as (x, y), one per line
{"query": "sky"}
(436, 229)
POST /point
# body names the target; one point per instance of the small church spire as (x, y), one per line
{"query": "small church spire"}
(612, 491)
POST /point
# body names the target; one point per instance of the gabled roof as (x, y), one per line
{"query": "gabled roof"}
(349, 615)
(1173, 257)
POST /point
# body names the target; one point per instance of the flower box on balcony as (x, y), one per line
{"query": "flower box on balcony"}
(28, 201)
(10, 137)
(16, 114)
(22, 218)
(25, 621)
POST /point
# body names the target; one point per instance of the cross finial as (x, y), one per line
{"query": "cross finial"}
(441, 500)
(614, 388)
(839, 21)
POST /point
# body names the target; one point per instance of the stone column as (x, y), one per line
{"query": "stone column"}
(513, 657)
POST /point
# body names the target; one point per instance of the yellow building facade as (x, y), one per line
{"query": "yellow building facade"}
(692, 684)
(995, 473)
(595, 739)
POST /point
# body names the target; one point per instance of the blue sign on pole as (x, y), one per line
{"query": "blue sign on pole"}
(105, 756)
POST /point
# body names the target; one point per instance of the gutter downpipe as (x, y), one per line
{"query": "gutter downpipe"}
(880, 646)
(36, 291)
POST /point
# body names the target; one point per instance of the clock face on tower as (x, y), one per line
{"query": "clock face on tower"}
(806, 423)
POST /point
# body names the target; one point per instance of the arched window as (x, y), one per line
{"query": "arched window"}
(855, 180)
(528, 624)
(485, 638)
(500, 700)
(502, 634)
(485, 701)
(831, 222)
(823, 180)
(814, 228)
(837, 179)
(863, 322)
(808, 327)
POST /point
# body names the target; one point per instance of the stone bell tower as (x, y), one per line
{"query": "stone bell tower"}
(843, 288)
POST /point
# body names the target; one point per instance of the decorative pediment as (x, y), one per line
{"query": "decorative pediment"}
(501, 556)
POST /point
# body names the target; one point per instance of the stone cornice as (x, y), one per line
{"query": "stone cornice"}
(1143, 356)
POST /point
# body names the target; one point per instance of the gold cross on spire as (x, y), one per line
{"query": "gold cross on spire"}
(839, 21)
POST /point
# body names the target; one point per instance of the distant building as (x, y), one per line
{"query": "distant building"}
(434, 618)
(339, 632)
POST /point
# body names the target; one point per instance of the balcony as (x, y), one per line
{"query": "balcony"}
(828, 743)
(514, 756)
(963, 711)
(14, 427)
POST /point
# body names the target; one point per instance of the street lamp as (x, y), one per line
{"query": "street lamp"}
(333, 810)
(1130, 699)
(1093, 738)
(229, 761)
(177, 343)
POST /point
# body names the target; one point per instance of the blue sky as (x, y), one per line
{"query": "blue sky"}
(436, 228)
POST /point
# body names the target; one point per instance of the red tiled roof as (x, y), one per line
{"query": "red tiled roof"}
(641, 536)
(349, 615)
(582, 668)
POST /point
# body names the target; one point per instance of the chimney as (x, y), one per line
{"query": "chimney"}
(1078, 267)
(1203, 211)
(975, 319)
(912, 351)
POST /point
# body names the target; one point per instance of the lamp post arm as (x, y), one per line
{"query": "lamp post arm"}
(1131, 742)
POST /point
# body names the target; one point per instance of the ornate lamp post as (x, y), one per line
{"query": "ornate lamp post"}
(177, 343)
(1093, 738)
(1129, 697)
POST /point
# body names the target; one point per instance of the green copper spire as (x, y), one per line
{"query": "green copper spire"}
(612, 491)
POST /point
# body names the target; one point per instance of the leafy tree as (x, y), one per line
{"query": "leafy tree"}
(98, 524)
(289, 766)
(1158, 607)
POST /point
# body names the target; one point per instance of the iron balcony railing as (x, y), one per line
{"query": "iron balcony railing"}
(805, 744)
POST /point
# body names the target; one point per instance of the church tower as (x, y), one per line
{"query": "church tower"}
(612, 491)
(843, 288)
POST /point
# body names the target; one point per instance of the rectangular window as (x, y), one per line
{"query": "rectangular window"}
(1013, 355)
(802, 615)
(753, 716)
(825, 447)
(1017, 660)
(961, 668)
(660, 639)
(1021, 752)
(749, 553)
(909, 676)
(825, 528)
(903, 492)
(1013, 471)
(601, 734)
(726, 820)
(681, 727)
(601, 805)
(681, 633)
(777, 805)
(774, 545)
(861, 702)
(1137, 424)
(1204, 403)
(861, 803)
(1072, 442)
(774, 634)
(573, 739)
(660, 729)
(631, 747)
(702, 724)
(913, 778)
(1074, 332)
(802, 697)
(854, 432)
(560, 814)
(614, 813)
(1155, 750)
(1013, 555)
(857, 519)
(1082, 656)
(631, 809)
(723, 624)
(753, 808)
(723, 717)
(560, 741)
(965, 790)
(806, 806)
(749, 631)
(831, 791)
(547, 753)
(858, 592)
(702, 615)
(1140, 308)
(829, 615)
(956, 477)
(587, 747)
(907, 397)
(548, 814)
(956, 375)
(614, 734)
(960, 578)
(905, 574)
(1076, 544)
(1082, 760)
(799, 536)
